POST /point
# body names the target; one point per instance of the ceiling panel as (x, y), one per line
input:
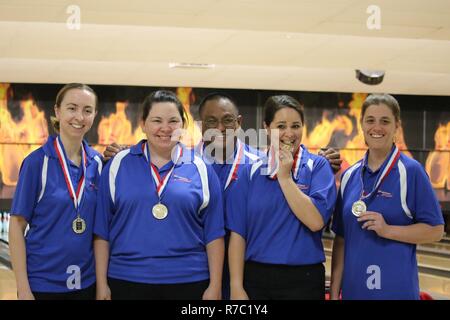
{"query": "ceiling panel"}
(288, 44)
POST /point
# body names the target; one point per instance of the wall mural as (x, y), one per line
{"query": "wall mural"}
(331, 120)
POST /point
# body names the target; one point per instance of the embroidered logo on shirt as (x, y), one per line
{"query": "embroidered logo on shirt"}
(181, 179)
(302, 186)
(91, 186)
(384, 194)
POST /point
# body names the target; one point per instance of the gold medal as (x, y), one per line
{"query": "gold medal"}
(287, 147)
(358, 208)
(78, 225)
(160, 211)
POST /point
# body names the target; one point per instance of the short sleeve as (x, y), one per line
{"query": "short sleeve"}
(213, 216)
(421, 197)
(323, 188)
(236, 203)
(105, 206)
(28, 187)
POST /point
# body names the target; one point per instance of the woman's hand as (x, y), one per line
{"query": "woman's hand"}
(25, 295)
(374, 221)
(212, 293)
(286, 161)
(103, 292)
(238, 294)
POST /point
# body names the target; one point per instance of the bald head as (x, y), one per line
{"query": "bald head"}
(219, 98)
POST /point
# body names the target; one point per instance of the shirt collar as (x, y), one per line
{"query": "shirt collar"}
(50, 151)
(137, 150)
(366, 163)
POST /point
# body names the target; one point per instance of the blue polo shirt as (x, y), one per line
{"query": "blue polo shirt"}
(375, 267)
(258, 211)
(147, 250)
(55, 253)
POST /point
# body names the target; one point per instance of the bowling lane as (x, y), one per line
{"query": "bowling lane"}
(434, 271)
(8, 289)
(436, 285)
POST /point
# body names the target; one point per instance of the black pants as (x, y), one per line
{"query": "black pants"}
(83, 294)
(281, 282)
(126, 290)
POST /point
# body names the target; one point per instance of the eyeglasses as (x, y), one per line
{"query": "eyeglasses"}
(214, 123)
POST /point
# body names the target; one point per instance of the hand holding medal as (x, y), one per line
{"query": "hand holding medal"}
(287, 147)
(359, 207)
(374, 221)
(286, 161)
(283, 160)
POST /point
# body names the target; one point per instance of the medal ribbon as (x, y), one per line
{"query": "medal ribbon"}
(296, 164)
(236, 162)
(75, 196)
(161, 183)
(274, 164)
(391, 163)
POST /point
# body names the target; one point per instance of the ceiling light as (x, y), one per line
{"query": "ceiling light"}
(191, 65)
(370, 77)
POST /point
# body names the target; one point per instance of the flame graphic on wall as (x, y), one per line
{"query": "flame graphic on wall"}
(193, 133)
(438, 162)
(355, 148)
(118, 128)
(20, 137)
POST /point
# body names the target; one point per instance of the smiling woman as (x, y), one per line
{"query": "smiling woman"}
(73, 100)
(275, 249)
(372, 228)
(56, 197)
(158, 237)
(163, 117)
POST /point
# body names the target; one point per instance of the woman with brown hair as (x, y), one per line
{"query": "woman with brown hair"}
(55, 197)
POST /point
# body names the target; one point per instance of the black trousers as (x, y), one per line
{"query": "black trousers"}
(282, 282)
(126, 290)
(83, 294)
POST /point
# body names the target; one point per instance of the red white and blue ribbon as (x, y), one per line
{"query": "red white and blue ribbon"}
(232, 175)
(161, 183)
(272, 163)
(387, 169)
(77, 195)
(237, 160)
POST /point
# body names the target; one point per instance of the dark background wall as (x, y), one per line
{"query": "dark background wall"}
(421, 117)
